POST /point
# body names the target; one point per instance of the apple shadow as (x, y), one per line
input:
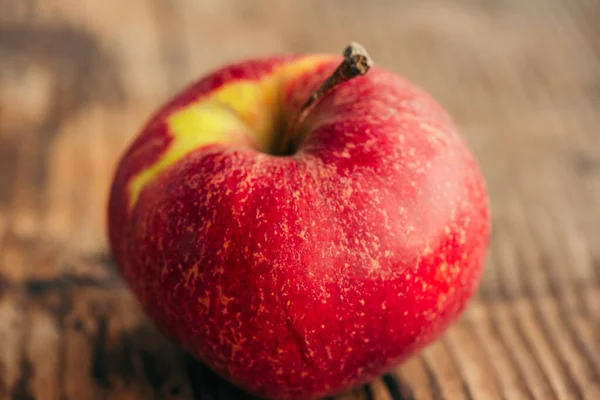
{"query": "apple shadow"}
(207, 385)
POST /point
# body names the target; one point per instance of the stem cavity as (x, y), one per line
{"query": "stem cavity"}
(356, 63)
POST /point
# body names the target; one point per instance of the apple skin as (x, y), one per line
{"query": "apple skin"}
(296, 277)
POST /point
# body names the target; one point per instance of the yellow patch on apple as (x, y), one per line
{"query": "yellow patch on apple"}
(244, 107)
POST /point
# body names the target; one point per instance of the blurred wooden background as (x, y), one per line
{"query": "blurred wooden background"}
(78, 78)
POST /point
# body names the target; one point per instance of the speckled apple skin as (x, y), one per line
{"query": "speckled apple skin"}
(296, 277)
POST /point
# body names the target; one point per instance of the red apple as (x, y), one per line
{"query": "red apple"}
(298, 275)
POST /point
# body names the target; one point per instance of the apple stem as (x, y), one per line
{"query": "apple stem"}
(356, 63)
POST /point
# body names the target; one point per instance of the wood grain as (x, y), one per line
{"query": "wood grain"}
(78, 79)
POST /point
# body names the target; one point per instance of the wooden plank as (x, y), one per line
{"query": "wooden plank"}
(14, 372)
(417, 375)
(43, 346)
(122, 355)
(473, 360)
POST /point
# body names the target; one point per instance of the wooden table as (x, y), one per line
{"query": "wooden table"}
(78, 78)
